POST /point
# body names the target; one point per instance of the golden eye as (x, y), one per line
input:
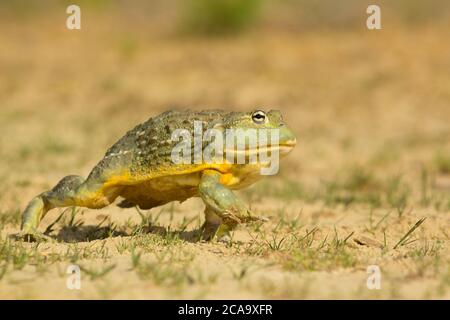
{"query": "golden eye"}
(259, 117)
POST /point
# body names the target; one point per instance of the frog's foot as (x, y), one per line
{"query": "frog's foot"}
(223, 208)
(247, 216)
(33, 236)
(231, 219)
(219, 226)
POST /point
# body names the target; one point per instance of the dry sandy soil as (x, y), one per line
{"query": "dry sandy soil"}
(371, 111)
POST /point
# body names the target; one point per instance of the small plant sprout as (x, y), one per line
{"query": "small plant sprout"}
(405, 239)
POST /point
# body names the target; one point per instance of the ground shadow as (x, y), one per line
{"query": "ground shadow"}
(92, 232)
(86, 233)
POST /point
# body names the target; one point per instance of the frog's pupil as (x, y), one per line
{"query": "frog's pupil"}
(259, 116)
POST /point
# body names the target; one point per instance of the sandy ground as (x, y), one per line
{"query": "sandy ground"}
(371, 111)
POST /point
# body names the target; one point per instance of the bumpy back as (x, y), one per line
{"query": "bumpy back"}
(147, 147)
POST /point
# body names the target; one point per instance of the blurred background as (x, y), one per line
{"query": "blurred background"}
(371, 109)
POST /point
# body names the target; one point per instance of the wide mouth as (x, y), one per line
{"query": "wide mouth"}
(289, 143)
(282, 148)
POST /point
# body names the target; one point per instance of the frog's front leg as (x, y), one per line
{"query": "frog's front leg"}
(224, 211)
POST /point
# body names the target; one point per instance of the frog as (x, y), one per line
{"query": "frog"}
(140, 171)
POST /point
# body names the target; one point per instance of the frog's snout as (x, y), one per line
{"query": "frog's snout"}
(287, 138)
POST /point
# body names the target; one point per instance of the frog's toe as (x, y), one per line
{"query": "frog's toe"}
(258, 218)
(230, 219)
(251, 217)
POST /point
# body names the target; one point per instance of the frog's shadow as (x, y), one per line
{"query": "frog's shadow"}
(91, 233)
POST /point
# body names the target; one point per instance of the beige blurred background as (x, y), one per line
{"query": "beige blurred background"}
(371, 108)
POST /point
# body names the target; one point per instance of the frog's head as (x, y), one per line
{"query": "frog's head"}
(285, 140)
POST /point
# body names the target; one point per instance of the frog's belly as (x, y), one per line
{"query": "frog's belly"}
(162, 190)
(158, 191)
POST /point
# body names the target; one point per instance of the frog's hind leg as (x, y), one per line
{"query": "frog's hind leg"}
(70, 191)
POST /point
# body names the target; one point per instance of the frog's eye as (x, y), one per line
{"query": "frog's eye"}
(259, 117)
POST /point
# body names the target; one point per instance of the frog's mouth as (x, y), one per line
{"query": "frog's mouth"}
(283, 149)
